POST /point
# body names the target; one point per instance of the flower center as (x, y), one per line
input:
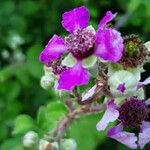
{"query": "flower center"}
(132, 48)
(135, 52)
(121, 87)
(81, 43)
(133, 112)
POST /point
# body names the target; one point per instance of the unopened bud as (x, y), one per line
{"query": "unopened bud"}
(48, 70)
(47, 82)
(123, 84)
(30, 139)
(68, 144)
(45, 145)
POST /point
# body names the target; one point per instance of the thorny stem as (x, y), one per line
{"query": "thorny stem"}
(85, 108)
(64, 123)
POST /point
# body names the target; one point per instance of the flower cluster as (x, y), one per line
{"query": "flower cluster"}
(117, 63)
(82, 43)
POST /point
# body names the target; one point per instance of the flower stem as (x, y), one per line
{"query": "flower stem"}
(64, 123)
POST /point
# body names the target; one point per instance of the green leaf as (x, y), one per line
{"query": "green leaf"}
(84, 132)
(23, 123)
(41, 115)
(49, 116)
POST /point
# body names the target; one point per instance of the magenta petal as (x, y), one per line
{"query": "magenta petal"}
(144, 136)
(53, 50)
(75, 19)
(107, 18)
(126, 138)
(111, 114)
(109, 45)
(72, 77)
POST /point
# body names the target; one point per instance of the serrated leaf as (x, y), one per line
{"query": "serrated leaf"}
(49, 116)
(23, 123)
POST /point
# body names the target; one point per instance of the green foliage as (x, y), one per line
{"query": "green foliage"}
(13, 144)
(84, 132)
(49, 116)
(133, 5)
(23, 123)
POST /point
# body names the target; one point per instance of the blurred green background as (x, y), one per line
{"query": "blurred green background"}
(25, 27)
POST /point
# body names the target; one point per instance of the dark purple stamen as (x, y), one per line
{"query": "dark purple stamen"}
(133, 112)
(81, 43)
(121, 87)
(57, 67)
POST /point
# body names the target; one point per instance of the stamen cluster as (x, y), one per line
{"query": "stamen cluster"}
(81, 43)
(133, 112)
(57, 67)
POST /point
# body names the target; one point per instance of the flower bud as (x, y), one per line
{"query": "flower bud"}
(112, 68)
(55, 145)
(48, 70)
(45, 145)
(47, 82)
(30, 139)
(68, 144)
(122, 84)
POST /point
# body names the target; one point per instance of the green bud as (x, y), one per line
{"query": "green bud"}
(112, 68)
(48, 70)
(30, 139)
(55, 145)
(122, 84)
(47, 82)
(68, 144)
(45, 145)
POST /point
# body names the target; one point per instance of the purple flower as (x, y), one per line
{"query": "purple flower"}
(82, 42)
(123, 137)
(133, 113)
(109, 41)
(144, 135)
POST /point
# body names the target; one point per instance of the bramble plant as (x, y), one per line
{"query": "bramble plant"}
(108, 63)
